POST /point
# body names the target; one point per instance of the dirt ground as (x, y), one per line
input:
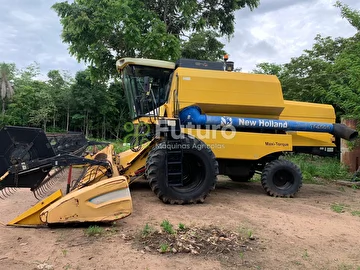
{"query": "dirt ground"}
(299, 233)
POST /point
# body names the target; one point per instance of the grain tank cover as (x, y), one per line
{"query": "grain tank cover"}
(199, 64)
(230, 93)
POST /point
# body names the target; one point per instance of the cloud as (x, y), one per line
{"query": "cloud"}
(30, 31)
(274, 32)
(281, 29)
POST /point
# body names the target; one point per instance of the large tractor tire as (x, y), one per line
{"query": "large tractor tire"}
(242, 178)
(281, 178)
(200, 170)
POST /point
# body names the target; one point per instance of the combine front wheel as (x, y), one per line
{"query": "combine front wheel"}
(281, 178)
(200, 169)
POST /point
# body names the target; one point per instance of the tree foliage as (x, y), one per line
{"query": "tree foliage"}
(203, 46)
(329, 72)
(101, 31)
(62, 103)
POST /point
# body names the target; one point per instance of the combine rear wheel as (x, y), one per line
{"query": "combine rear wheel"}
(281, 178)
(200, 169)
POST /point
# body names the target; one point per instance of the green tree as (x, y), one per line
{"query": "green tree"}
(203, 45)
(59, 87)
(308, 77)
(99, 32)
(41, 114)
(32, 102)
(352, 15)
(269, 68)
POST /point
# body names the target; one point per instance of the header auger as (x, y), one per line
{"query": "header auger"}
(196, 120)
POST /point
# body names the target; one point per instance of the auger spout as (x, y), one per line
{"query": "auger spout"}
(192, 115)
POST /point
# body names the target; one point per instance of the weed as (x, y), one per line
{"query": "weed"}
(245, 232)
(355, 187)
(241, 255)
(147, 230)
(322, 167)
(167, 226)
(119, 146)
(342, 189)
(67, 266)
(344, 266)
(356, 213)
(164, 248)
(181, 226)
(64, 252)
(94, 231)
(338, 207)
(306, 254)
(256, 178)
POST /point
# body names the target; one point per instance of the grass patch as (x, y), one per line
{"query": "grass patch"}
(182, 226)
(305, 254)
(147, 230)
(338, 207)
(313, 167)
(164, 248)
(355, 213)
(344, 266)
(119, 145)
(94, 230)
(167, 226)
(245, 232)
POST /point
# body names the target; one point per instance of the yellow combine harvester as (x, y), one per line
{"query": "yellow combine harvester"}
(194, 120)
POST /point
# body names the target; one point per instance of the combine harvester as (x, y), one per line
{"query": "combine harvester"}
(195, 120)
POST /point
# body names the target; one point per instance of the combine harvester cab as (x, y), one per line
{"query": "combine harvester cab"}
(31, 159)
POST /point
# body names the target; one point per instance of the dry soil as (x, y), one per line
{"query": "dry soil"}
(299, 233)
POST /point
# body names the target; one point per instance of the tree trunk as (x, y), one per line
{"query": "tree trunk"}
(87, 124)
(84, 124)
(68, 118)
(103, 128)
(54, 120)
(3, 106)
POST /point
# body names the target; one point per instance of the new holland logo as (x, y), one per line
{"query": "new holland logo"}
(226, 121)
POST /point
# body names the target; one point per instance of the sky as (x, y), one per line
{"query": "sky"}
(274, 32)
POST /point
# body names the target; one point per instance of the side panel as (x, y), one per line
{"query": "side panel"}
(312, 139)
(105, 201)
(242, 145)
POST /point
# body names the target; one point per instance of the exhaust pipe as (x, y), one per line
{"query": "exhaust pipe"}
(192, 115)
(344, 132)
